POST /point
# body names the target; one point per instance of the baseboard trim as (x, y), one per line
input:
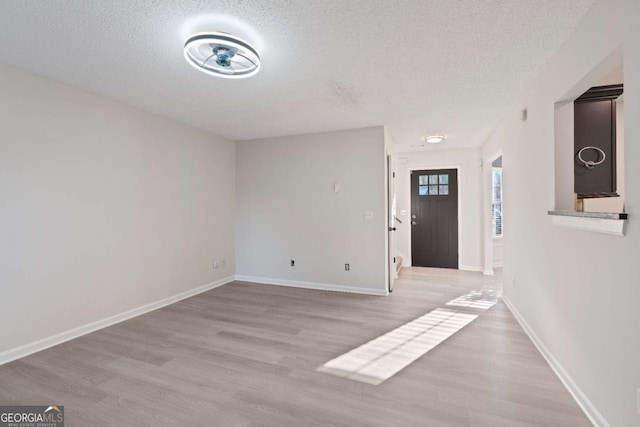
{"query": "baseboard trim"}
(34, 347)
(578, 395)
(488, 272)
(312, 285)
(469, 268)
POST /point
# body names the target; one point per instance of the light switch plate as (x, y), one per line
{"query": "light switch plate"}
(368, 215)
(403, 212)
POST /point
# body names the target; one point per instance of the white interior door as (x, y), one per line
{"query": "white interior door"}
(392, 220)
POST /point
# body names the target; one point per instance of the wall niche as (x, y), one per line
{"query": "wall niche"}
(594, 143)
(589, 141)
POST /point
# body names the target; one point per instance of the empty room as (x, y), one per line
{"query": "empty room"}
(319, 213)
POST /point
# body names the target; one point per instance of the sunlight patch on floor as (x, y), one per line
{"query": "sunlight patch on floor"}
(385, 356)
(482, 299)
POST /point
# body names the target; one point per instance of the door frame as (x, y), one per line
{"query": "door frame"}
(487, 197)
(458, 169)
(391, 223)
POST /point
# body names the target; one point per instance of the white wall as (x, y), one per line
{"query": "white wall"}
(288, 209)
(470, 214)
(576, 291)
(103, 208)
(498, 252)
(563, 155)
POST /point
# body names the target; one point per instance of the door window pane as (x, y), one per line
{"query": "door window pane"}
(433, 185)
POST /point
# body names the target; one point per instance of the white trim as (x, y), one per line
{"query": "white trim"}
(614, 227)
(578, 395)
(498, 244)
(488, 272)
(458, 169)
(406, 262)
(487, 211)
(492, 158)
(34, 347)
(469, 268)
(312, 285)
(390, 239)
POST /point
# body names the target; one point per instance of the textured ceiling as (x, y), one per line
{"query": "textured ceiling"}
(418, 66)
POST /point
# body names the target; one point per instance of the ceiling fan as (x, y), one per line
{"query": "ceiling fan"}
(222, 55)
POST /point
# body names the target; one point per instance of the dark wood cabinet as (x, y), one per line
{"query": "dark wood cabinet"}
(595, 142)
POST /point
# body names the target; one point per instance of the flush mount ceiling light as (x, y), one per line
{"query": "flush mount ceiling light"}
(222, 55)
(434, 139)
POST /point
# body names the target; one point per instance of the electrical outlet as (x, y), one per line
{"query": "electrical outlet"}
(224, 262)
(293, 263)
(513, 283)
(215, 263)
(346, 267)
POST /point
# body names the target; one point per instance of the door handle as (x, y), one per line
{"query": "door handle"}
(413, 216)
(392, 229)
(414, 223)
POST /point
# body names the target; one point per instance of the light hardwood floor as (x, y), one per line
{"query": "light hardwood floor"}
(246, 355)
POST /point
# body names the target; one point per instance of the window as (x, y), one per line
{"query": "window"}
(433, 185)
(496, 205)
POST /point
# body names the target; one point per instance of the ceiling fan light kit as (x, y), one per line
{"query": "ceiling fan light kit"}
(222, 55)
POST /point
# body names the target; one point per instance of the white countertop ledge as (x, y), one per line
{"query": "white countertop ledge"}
(597, 222)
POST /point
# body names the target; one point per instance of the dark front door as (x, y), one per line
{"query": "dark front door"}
(434, 218)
